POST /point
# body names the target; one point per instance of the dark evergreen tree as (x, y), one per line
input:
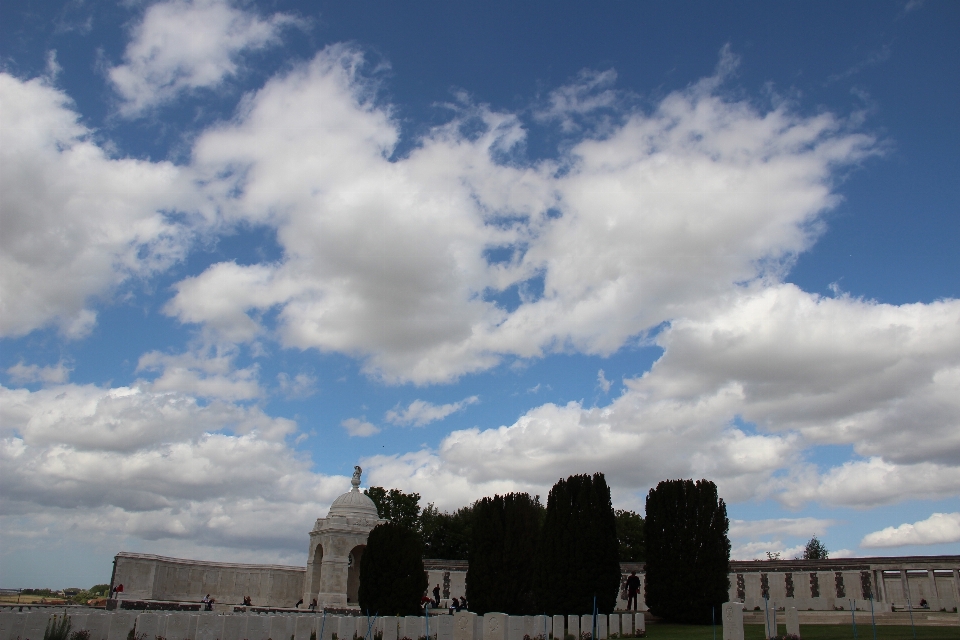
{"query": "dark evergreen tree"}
(630, 535)
(503, 544)
(688, 552)
(396, 506)
(446, 535)
(392, 579)
(815, 550)
(578, 556)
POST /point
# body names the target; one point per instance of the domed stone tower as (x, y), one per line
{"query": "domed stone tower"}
(336, 546)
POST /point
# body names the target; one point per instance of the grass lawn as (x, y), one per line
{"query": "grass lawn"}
(660, 631)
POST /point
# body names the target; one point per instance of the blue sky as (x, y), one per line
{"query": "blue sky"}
(474, 248)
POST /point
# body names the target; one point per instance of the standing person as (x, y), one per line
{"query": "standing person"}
(436, 596)
(633, 587)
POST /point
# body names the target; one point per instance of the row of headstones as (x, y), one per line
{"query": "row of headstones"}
(463, 625)
(733, 621)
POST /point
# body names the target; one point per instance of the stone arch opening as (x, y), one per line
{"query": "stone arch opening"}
(315, 568)
(353, 573)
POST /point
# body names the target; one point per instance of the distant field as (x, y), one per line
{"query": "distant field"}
(810, 632)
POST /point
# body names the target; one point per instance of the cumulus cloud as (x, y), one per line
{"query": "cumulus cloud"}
(799, 369)
(183, 45)
(206, 373)
(76, 222)
(602, 382)
(420, 413)
(402, 262)
(359, 427)
(939, 528)
(25, 373)
(154, 466)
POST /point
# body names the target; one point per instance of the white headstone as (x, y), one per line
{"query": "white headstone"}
(98, 624)
(413, 627)
(346, 627)
(120, 625)
(514, 627)
(494, 626)
(528, 626)
(601, 626)
(327, 626)
(78, 621)
(639, 624)
(258, 627)
(573, 627)
(559, 625)
(626, 624)
(542, 626)
(390, 624)
(281, 626)
(148, 624)
(303, 626)
(464, 626)
(793, 621)
(35, 624)
(360, 626)
(478, 628)
(770, 620)
(732, 621)
(234, 627)
(209, 627)
(586, 624)
(444, 627)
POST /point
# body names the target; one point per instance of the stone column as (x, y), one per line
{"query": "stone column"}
(934, 593)
(732, 621)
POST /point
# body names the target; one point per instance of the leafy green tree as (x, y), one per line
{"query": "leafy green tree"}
(688, 552)
(578, 556)
(446, 535)
(503, 544)
(396, 506)
(815, 550)
(630, 536)
(392, 579)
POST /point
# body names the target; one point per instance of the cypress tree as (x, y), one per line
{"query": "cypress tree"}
(392, 579)
(503, 544)
(578, 555)
(688, 552)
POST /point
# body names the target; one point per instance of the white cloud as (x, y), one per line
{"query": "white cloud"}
(76, 222)
(301, 385)
(52, 374)
(806, 527)
(207, 373)
(602, 381)
(806, 370)
(591, 92)
(939, 528)
(183, 45)
(386, 260)
(145, 465)
(420, 413)
(359, 427)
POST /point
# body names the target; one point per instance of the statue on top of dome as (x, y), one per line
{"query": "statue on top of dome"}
(356, 477)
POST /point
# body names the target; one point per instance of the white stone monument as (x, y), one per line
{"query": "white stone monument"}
(542, 626)
(573, 626)
(639, 623)
(336, 546)
(732, 621)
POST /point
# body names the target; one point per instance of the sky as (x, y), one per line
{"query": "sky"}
(474, 248)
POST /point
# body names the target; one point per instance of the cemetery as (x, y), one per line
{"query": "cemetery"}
(159, 598)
